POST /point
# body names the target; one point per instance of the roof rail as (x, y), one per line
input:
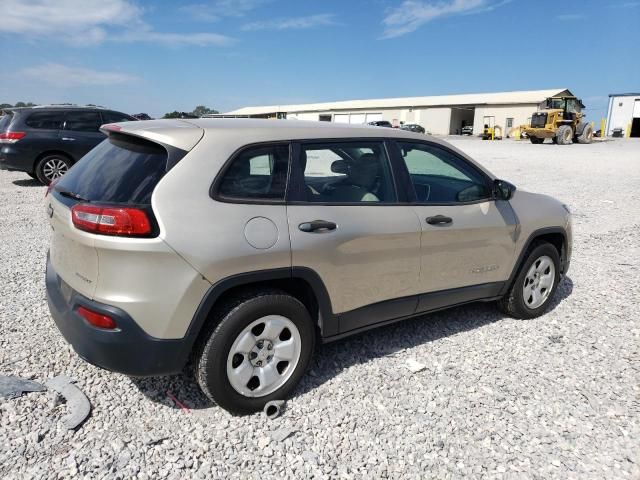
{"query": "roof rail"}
(67, 105)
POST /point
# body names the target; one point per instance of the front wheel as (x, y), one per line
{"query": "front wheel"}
(564, 135)
(258, 352)
(52, 167)
(535, 285)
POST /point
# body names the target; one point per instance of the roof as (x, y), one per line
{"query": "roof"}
(519, 97)
(624, 95)
(184, 133)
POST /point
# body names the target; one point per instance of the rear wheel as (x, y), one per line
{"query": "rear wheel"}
(536, 140)
(564, 135)
(52, 167)
(258, 351)
(535, 284)
(587, 134)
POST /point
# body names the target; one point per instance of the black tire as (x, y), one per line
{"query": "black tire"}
(51, 167)
(536, 140)
(587, 134)
(228, 322)
(513, 303)
(564, 135)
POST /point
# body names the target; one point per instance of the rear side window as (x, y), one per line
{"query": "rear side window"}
(45, 120)
(257, 173)
(115, 117)
(83, 121)
(122, 169)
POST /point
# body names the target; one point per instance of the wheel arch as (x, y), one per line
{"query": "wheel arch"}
(556, 236)
(51, 152)
(300, 282)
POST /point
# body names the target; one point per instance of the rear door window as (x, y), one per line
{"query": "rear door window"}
(122, 169)
(83, 121)
(45, 120)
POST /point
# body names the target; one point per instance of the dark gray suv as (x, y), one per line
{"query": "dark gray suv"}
(46, 141)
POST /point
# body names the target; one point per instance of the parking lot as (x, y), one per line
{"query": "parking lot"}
(553, 397)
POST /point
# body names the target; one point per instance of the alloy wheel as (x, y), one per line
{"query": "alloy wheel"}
(538, 282)
(54, 168)
(264, 356)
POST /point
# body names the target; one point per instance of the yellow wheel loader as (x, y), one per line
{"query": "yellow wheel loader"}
(561, 120)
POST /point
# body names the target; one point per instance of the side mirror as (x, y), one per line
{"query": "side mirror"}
(503, 190)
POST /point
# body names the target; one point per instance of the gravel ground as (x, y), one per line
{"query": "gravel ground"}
(554, 397)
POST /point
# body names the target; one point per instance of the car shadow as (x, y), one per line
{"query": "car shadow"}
(330, 359)
(27, 182)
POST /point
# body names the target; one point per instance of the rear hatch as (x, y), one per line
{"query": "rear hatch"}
(119, 175)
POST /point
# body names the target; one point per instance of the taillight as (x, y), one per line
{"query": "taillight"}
(110, 220)
(11, 137)
(97, 319)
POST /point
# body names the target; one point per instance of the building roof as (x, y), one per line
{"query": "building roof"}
(624, 95)
(519, 97)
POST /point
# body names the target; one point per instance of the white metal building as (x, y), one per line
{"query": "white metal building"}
(445, 114)
(624, 113)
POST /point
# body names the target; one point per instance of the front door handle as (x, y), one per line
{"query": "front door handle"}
(439, 220)
(68, 139)
(317, 226)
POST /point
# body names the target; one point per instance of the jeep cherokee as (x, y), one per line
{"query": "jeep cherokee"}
(237, 243)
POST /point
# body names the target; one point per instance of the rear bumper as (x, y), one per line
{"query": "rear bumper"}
(128, 349)
(13, 158)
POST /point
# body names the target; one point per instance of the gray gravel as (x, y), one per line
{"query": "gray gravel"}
(554, 397)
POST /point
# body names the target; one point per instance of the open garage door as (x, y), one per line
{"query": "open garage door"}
(460, 117)
(373, 117)
(635, 121)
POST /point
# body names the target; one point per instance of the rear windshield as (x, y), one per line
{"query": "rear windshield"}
(121, 169)
(5, 120)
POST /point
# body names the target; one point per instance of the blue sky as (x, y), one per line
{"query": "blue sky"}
(158, 56)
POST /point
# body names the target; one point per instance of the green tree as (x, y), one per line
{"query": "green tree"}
(201, 110)
(20, 105)
(174, 114)
(5, 105)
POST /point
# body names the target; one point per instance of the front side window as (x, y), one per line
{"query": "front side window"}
(346, 173)
(439, 176)
(45, 120)
(83, 121)
(257, 173)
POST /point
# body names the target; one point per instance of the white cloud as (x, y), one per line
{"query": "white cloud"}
(64, 76)
(293, 23)
(216, 9)
(412, 14)
(176, 39)
(90, 22)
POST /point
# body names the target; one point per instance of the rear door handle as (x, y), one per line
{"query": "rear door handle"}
(439, 220)
(317, 226)
(68, 139)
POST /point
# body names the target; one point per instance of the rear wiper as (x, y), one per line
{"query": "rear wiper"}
(75, 196)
